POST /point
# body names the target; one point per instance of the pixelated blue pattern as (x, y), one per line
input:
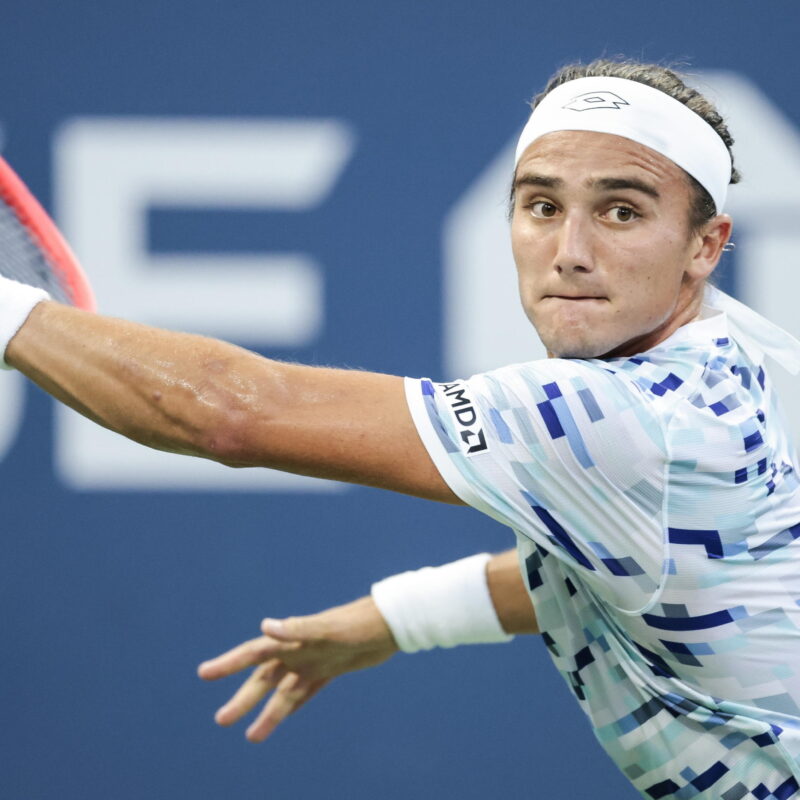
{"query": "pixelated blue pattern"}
(590, 404)
(698, 623)
(668, 384)
(775, 542)
(709, 540)
(657, 510)
(561, 537)
(557, 416)
(503, 431)
(783, 792)
(616, 566)
(551, 419)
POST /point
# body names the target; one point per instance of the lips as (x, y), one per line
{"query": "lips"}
(575, 297)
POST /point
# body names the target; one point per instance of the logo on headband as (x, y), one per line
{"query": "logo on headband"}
(590, 100)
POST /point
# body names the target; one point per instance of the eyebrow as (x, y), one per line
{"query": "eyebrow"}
(538, 180)
(604, 184)
(611, 184)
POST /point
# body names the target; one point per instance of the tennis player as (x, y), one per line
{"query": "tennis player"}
(644, 467)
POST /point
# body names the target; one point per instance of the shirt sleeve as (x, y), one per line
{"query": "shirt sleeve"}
(567, 453)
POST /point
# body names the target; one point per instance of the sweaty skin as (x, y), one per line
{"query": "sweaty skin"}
(607, 265)
(198, 396)
(594, 279)
(606, 261)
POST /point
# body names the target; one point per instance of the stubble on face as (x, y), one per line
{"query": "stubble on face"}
(601, 240)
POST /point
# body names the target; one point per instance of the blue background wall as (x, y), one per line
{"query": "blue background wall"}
(111, 597)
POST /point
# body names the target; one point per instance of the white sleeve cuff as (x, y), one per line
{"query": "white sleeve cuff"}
(17, 300)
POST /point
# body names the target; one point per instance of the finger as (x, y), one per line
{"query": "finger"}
(314, 687)
(281, 629)
(250, 693)
(294, 629)
(244, 655)
(292, 692)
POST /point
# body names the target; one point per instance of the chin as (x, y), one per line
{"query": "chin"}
(575, 346)
(577, 352)
(573, 337)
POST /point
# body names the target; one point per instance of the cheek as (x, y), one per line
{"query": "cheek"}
(650, 283)
(519, 245)
(531, 252)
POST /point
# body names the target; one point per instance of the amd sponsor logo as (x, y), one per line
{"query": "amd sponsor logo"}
(462, 407)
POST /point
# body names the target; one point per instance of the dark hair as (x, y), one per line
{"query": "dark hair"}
(668, 81)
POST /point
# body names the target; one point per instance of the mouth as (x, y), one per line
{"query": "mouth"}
(574, 298)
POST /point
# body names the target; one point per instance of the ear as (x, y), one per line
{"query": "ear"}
(708, 243)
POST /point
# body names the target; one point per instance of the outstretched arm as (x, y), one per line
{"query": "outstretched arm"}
(200, 396)
(297, 657)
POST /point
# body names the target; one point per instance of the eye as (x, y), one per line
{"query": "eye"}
(542, 209)
(622, 214)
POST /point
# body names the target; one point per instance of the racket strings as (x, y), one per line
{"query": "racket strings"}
(22, 257)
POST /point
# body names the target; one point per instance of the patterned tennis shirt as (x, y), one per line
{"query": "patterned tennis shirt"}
(656, 506)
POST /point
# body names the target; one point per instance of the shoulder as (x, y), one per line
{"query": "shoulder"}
(590, 407)
(601, 389)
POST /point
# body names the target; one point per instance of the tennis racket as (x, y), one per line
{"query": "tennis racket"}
(32, 250)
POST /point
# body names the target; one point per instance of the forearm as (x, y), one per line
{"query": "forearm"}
(510, 598)
(168, 390)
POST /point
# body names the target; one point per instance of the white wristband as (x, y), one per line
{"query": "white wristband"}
(16, 303)
(440, 606)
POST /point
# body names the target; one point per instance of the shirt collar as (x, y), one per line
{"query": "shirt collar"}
(722, 317)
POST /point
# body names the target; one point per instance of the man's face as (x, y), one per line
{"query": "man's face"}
(601, 239)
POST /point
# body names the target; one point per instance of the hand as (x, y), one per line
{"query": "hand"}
(298, 656)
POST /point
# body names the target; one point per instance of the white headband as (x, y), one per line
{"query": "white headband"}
(642, 114)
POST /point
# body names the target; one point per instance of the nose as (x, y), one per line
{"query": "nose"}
(575, 250)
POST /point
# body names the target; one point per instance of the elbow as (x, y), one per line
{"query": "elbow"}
(224, 412)
(229, 439)
(239, 425)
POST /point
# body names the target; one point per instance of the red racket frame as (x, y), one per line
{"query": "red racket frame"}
(31, 214)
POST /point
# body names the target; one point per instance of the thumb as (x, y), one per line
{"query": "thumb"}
(283, 629)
